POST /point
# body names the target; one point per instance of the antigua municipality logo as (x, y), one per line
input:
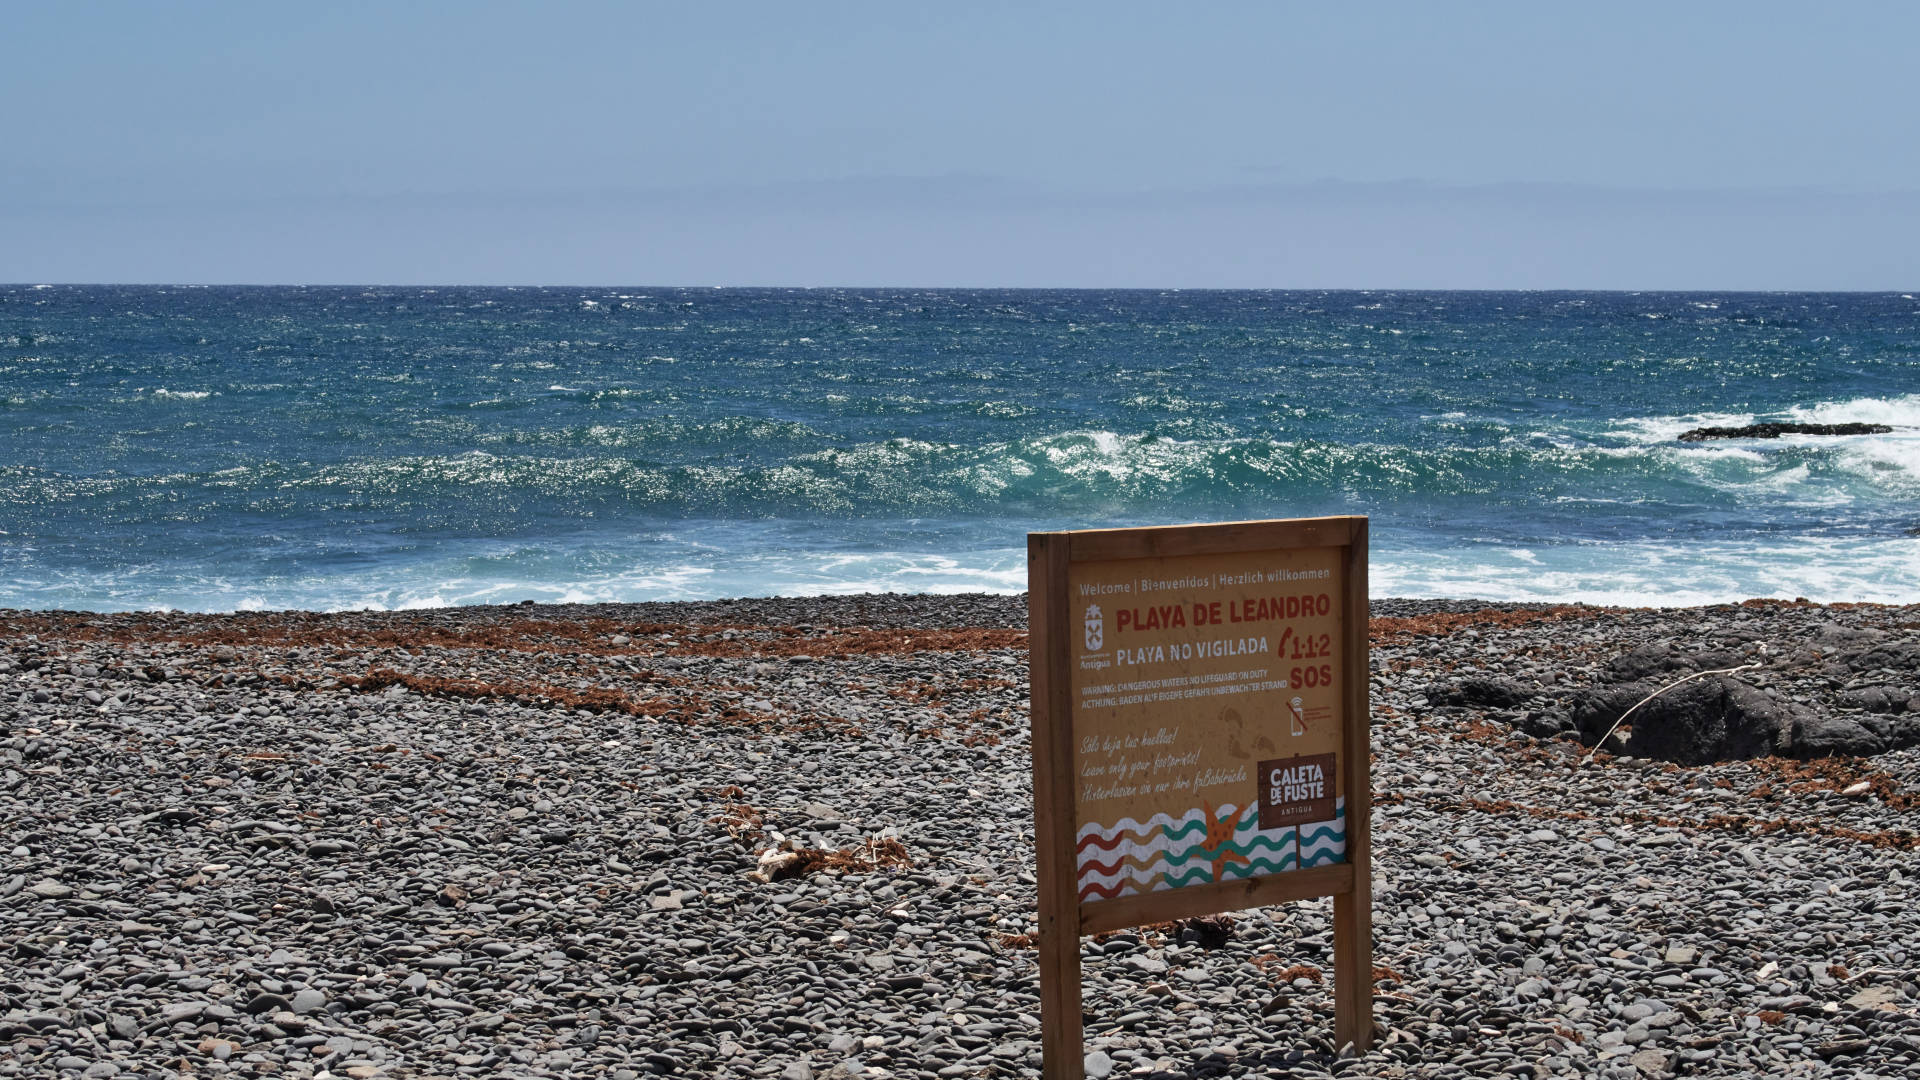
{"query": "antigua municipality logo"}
(1096, 628)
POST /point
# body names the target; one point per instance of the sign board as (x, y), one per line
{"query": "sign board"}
(1199, 739)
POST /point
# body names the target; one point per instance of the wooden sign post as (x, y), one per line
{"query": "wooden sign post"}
(1200, 741)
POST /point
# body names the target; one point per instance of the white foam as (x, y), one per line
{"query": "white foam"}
(1885, 462)
(423, 603)
(1897, 412)
(182, 395)
(1660, 429)
(1656, 574)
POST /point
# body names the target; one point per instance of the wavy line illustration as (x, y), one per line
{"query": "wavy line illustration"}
(1259, 843)
(1150, 826)
(1249, 843)
(1199, 846)
(1156, 825)
(1107, 843)
(1102, 892)
(1199, 875)
(1151, 849)
(1126, 886)
(1141, 871)
(1331, 848)
(1325, 858)
(1127, 850)
(1256, 867)
(1325, 838)
(1323, 833)
(1108, 869)
(1179, 839)
(1154, 880)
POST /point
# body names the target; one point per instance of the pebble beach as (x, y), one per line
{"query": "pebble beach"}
(792, 838)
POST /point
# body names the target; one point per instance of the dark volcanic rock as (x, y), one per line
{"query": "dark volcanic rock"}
(1709, 719)
(1774, 431)
(1895, 656)
(1823, 735)
(1718, 718)
(1827, 689)
(1545, 723)
(1661, 658)
(1876, 699)
(1496, 693)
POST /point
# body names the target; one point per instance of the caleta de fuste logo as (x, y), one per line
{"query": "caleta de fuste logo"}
(1096, 628)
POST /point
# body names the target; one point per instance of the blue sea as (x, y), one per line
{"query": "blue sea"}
(219, 449)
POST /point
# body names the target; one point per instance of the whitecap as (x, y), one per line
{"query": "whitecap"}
(1661, 574)
(1883, 461)
(1656, 429)
(1898, 412)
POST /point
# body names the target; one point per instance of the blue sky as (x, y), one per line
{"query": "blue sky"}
(1702, 145)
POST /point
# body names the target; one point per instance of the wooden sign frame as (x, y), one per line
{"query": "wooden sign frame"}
(1053, 629)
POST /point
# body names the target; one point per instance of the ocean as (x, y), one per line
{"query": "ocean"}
(219, 449)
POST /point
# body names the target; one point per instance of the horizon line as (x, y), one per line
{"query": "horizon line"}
(33, 285)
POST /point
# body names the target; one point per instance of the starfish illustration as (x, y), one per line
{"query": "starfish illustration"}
(1220, 830)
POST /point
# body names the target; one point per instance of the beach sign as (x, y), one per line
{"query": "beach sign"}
(1200, 740)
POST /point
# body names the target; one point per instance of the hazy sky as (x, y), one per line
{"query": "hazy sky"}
(1696, 145)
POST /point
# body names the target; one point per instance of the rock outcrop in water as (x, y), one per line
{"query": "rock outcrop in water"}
(1774, 431)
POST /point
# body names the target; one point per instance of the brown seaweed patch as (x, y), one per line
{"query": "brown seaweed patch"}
(1831, 774)
(1268, 961)
(861, 642)
(589, 636)
(1393, 629)
(595, 699)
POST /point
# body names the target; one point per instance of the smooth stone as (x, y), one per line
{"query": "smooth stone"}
(183, 1010)
(1649, 1062)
